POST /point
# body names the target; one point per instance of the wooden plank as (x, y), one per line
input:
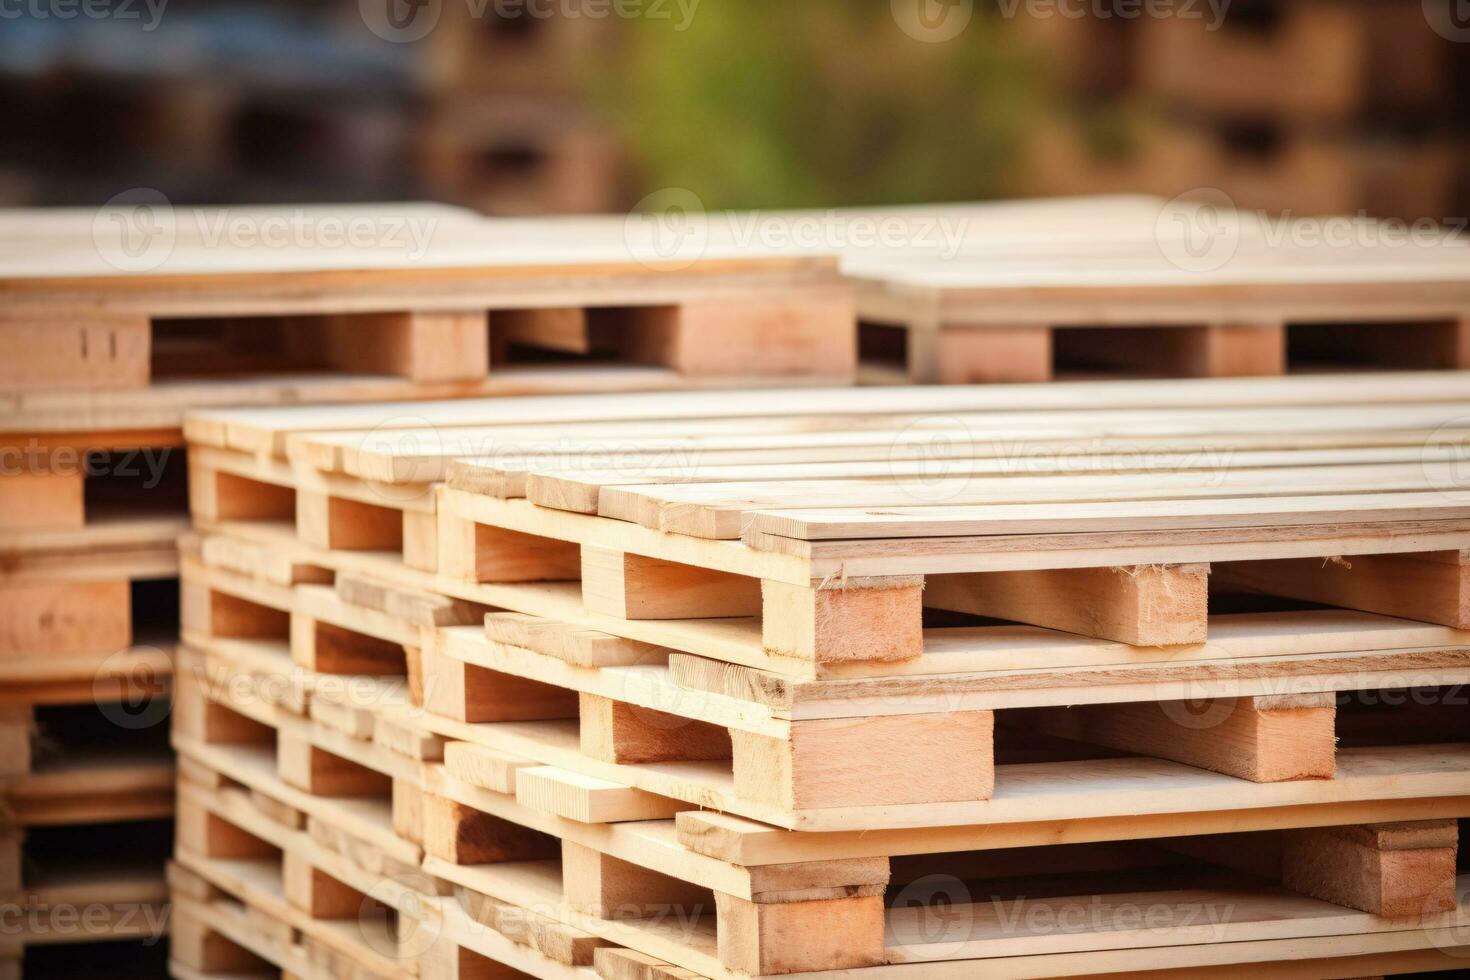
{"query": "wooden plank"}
(819, 525)
(587, 799)
(575, 645)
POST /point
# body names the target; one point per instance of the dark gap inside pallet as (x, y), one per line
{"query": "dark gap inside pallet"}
(1137, 352)
(215, 346)
(518, 25)
(1018, 743)
(1223, 603)
(155, 607)
(67, 732)
(1462, 856)
(134, 959)
(134, 482)
(1060, 870)
(884, 347)
(949, 619)
(96, 848)
(604, 334)
(1404, 716)
(1416, 345)
(509, 159)
(1252, 139)
(1260, 17)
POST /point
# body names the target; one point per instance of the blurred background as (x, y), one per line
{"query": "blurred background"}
(551, 106)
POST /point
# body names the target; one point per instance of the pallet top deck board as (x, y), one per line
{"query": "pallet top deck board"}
(198, 259)
(265, 430)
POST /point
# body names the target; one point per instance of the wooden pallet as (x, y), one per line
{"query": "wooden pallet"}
(715, 893)
(758, 743)
(532, 155)
(361, 479)
(1131, 286)
(378, 323)
(68, 886)
(489, 824)
(1301, 60)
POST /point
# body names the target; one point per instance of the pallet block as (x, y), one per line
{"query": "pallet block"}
(65, 618)
(1263, 739)
(1142, 605)
(1392, 870)
(96, 351)
(869, 761)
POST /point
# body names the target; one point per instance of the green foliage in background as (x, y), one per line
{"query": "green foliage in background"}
(817, 103)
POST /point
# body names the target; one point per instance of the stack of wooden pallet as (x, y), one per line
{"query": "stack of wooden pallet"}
(1038, 681)
(506, 127)
(1132, 286)
(108, 331)
(1311, 106)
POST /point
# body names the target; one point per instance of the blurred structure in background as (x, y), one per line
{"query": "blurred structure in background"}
(552, 106)
(1317, 106)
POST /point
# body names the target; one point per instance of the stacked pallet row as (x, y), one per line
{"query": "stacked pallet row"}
(1077, 680)
(1137, 287)
(100, 360)
(1304, 106)
(506, 128)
